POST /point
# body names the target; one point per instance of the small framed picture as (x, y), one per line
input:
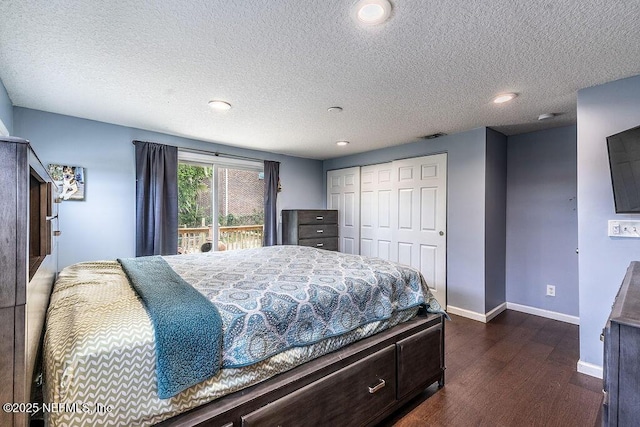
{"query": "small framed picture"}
(70, 181)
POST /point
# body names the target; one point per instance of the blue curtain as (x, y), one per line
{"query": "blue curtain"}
(271, 186)
(156, 199)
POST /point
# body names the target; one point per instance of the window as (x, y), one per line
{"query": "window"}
(220, 203)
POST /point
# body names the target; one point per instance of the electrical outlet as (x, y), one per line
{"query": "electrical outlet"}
(551, 290)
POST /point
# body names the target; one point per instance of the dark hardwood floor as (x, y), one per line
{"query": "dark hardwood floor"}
(517, 370)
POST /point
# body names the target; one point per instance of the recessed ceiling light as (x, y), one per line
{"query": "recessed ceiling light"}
(219, 105)
(505, 97)
(372, 12)
(334, 109)
(342, 143)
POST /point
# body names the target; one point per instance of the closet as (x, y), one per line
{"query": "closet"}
(395, 211)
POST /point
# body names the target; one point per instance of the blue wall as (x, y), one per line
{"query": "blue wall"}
(6, 109)
(602, 111)
(466, 195)
(103, 226)
(495, 219)
(542, 221)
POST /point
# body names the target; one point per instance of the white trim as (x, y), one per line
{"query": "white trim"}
(493, 313)
(466, 313)
(590, 369)
(3, 129)
(544, 313)
(484, 318)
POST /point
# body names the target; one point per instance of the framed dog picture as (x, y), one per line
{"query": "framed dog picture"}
(70, 181)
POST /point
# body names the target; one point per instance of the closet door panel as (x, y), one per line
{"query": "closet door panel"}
(376, 211)
(419, 228)
(343, 194)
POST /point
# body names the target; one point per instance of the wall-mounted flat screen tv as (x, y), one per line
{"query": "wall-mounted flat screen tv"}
(624, 160)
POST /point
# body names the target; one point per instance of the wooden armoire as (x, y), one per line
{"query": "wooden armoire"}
(28, 267)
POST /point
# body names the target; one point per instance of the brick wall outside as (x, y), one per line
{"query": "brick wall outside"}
(245, 195)
(245, 192)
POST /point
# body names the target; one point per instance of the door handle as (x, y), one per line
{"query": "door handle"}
(441, 233)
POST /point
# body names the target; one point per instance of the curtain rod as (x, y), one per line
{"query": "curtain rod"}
(214, 153)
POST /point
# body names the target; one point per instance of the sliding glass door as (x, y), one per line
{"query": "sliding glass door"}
(220, 203)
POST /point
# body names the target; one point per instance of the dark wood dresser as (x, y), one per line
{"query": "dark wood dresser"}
(317, 228)
(621, 378)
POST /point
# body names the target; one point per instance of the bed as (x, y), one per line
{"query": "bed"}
(308, 337)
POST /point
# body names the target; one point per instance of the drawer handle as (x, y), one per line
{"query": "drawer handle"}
(319, 218)
(320, 245)
(319, 231)
(602, 337)
(377, 387)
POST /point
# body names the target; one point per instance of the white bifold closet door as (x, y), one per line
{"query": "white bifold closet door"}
(343, 194)
(403, 214)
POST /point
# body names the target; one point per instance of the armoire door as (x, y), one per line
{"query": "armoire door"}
(343, 194)
(419, 222)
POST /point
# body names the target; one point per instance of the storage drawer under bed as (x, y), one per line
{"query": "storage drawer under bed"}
(358, 392)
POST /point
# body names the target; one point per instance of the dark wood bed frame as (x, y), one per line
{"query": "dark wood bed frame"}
(358, 385)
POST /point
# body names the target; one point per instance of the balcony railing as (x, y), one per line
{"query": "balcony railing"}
(190, 240)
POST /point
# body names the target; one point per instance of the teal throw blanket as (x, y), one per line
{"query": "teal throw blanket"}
(188, 327)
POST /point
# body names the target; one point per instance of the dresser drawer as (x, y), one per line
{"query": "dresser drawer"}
(351, 396)
(328, 243)
(414, 371)
(316, 231)
(317, 217)
(310, 227)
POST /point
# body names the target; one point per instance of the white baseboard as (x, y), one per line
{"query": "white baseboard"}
(484, 318)
(544, 313)
(466, 313)
(589, 369)
(493, 313)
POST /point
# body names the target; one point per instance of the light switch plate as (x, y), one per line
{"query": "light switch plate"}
(624, 228)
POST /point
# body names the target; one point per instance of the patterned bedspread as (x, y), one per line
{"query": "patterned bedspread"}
(99, 346)
(279, 297)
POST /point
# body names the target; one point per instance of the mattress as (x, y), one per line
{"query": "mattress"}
(99, 351)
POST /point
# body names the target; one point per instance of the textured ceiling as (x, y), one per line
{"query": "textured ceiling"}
(433, 67)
